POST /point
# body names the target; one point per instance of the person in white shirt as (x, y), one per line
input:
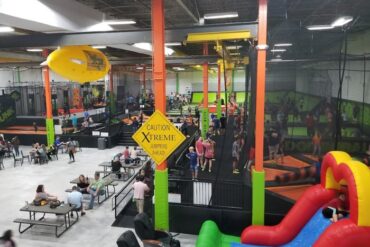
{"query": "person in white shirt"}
(139, 191)
(133, 156)
(75, 198)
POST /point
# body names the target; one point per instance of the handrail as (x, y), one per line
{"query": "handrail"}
(191, 139)
(115, 201)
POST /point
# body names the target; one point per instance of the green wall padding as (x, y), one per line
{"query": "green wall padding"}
(161, 200)
(258, 197)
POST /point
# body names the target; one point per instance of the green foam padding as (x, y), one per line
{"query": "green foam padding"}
(211, 236)
(297, 131)
(161, 200)
(205, 122)
(258, 197)
(50, 134)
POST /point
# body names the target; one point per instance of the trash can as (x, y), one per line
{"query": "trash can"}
(101, 143)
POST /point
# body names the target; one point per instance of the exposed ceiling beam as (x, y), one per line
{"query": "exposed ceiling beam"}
(181, 3)
(114, 37)
(20, 56)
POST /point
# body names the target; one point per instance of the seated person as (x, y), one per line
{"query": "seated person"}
(116, 167)
(336, 208)
(75, 198)
(95, 189)
(83, 184)
(41, 153)
(51, 151)
(42, 195)
(134, 157)
(126, 155)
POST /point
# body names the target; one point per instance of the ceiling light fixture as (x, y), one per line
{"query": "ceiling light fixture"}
(341, 21)
(119, 22)
(235, 54)
(178, 68)
(278, 50)
(34, 50)
(319, 27)
(99, 47)
(173, 44)
(233, 47)
(224, 15)
(148, 47)
(283, 44)
(139, 67)
(5, 29)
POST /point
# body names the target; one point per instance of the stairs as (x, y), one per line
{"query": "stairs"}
(126, 139)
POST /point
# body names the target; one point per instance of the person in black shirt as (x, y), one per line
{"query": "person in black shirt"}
(222, 124)
(273, 144)
(116, 167)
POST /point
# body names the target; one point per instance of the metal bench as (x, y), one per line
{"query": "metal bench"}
(38, 222)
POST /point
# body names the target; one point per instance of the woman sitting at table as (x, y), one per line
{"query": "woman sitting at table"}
(42, 195)
(82, 184)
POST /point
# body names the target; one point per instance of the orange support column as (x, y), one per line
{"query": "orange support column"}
(159, 81)
(258, 174)
(205, 111)
(50, 134)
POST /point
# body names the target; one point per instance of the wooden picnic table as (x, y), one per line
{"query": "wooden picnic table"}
(63, 209)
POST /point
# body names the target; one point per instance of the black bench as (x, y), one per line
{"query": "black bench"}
(38, 222)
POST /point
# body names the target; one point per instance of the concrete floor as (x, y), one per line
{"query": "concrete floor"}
(94, 229)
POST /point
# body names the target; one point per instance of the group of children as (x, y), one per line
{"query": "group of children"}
(202, 155)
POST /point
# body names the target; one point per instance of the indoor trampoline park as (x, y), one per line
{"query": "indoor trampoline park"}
(193, 123)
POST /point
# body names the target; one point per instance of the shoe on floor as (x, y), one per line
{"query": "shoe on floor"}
(235, 172)
(209, 170)
(71, 215)
(83, 213)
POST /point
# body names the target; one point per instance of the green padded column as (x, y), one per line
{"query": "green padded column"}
(50, 134)
(219, 109)
(258, 197)
(161, 200)
(177, 83)
(205, 122)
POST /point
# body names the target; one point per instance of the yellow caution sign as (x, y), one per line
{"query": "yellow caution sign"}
(158, 137)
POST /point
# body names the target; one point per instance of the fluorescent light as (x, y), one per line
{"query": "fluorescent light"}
(34, 50)
(278, 50)
(173, 44)
(235, 54)
(99, 47)
(233, 47)
(221, 15)
(119, 22)
(283, 44)
(319, 27)
(148, 47)
(178, 68)
(341, 21)
(139, 67)
(6, 29)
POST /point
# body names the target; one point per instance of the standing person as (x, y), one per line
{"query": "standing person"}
(310, 124)
(273, 141)
(316, 142)
(135, 124)
(66, 109)
(35, 126)
(251, 158)
(208, 154)
(75, 198)
(222, 124)
(7, 240)
(71, 147)
(86, 115)
(193, 157)
(216, 124)
(197, 113)
(199, 148)
(235, 154)
(74, 122)
(139, 191)
(15, 142)
(280, 151)
(95, 189)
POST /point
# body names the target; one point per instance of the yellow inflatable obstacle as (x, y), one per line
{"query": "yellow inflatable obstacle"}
(79, 63)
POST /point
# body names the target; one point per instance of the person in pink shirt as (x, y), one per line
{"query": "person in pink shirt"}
(209, 146)
(139, 191)
(199, 148)
(126, 155)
